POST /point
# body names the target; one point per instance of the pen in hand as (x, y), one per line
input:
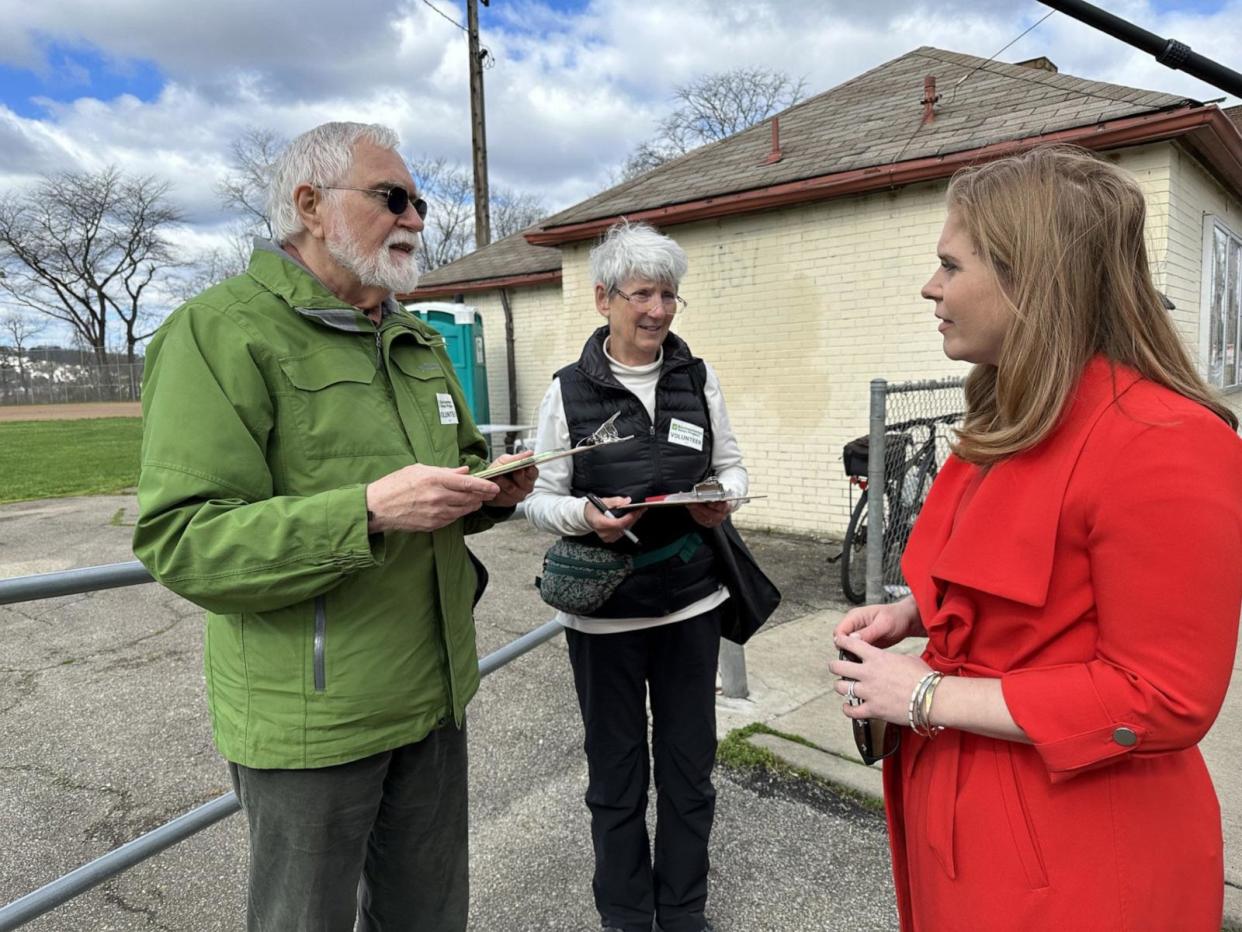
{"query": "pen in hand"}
(603, 509)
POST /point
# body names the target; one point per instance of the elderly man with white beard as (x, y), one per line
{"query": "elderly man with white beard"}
(305, 478)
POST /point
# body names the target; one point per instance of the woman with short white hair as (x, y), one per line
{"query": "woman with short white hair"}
(659, 630)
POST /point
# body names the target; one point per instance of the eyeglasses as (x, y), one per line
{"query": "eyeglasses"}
(645, 297)
(876, 739)
(397, 198)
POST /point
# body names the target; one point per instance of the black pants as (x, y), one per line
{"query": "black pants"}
(612, 673)
(382, 841)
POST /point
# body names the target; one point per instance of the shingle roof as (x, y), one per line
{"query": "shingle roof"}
(502, 259)
(876, 119)
(1235, 114)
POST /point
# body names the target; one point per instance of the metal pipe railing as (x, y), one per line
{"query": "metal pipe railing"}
(105, 867)
(519, 646)
(93, 873)
(876, 461)
(72, 582)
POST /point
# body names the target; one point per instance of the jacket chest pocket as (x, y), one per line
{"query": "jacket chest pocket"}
(425, 397)
(340, 405)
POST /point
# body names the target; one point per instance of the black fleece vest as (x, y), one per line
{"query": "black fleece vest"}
(647, 465)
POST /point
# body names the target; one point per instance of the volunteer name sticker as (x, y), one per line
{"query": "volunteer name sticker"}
(685, 434)
(448, 410)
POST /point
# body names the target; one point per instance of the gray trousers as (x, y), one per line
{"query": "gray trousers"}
(382, 841)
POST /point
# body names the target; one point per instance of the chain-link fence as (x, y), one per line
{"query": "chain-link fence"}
(36, 381)
(911, 428)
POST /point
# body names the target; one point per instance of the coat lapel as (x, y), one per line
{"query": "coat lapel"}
(1004, 540)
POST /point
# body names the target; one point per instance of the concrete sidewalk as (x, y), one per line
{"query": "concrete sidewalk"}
(791, 692)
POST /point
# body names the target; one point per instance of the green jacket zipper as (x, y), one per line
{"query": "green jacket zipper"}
(321, 632)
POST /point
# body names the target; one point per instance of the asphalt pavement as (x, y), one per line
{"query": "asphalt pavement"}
(104, 735)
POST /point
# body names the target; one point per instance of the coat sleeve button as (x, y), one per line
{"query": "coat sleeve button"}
(1125, 737)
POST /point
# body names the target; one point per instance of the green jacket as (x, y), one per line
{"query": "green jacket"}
(268, 405)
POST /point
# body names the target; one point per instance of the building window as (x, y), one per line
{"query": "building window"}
(1224, 345)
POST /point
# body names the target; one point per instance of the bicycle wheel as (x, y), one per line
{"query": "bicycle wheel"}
(924, 476)
(854, 554)
(918, 474)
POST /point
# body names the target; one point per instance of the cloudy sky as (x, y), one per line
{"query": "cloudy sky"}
(162, 88)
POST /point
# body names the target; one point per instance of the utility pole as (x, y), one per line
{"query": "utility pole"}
(1168, 52)
(478, 127)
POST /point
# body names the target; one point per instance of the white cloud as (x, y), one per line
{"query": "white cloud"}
(569, 96)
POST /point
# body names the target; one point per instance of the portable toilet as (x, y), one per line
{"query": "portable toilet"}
(462, 327)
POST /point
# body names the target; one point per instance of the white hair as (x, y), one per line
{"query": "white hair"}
(636, 250)
(321, 156)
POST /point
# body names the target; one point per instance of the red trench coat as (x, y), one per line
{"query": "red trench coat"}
(1099, 576)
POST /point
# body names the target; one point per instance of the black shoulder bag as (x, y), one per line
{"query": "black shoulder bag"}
(752, 596)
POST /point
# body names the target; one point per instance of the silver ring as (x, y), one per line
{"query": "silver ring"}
(850, 695)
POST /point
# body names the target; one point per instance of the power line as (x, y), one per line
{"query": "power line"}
(1028, 78)
(445, 16)
(485, 56)
(922, 122)
(993, 55)
(1031, 79)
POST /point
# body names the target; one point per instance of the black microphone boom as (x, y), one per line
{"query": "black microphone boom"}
(1168, 52)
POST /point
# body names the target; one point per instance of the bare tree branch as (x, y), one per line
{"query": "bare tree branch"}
(244, 188)
(143, 210)
(448, 232)
(215, 265)
(513, 211)
(82, 247)
(448, 188)
(714, 106)
(18, 329)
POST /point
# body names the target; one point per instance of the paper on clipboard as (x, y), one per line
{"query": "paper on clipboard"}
(709, 490)
(603, 435)
(515, 465)
(679, 498)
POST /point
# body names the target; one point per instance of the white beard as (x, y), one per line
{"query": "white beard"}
(380, 269)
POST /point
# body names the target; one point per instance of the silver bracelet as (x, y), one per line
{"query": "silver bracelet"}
(916, 697)
(923, 712)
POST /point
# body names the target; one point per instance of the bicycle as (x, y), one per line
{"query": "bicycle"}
(910, 468)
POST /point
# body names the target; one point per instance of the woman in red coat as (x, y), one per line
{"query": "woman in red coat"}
(1077, 570)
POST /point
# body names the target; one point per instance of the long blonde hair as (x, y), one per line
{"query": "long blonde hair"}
(1064, 233)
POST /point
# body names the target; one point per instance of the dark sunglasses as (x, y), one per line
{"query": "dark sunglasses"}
(875, 738)
(397, 198)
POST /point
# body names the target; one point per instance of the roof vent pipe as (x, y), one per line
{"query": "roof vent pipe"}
(930, 98)
(775, 154)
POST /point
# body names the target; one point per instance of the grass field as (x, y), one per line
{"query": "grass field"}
(53, 459)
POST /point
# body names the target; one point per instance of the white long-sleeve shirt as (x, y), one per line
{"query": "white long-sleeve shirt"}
(551, 507)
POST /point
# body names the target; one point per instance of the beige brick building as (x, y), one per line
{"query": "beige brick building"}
(808, 248)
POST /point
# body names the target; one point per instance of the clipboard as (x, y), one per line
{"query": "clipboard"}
(708, 490)
(546, 457)
(604, 435)
(682, 499)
